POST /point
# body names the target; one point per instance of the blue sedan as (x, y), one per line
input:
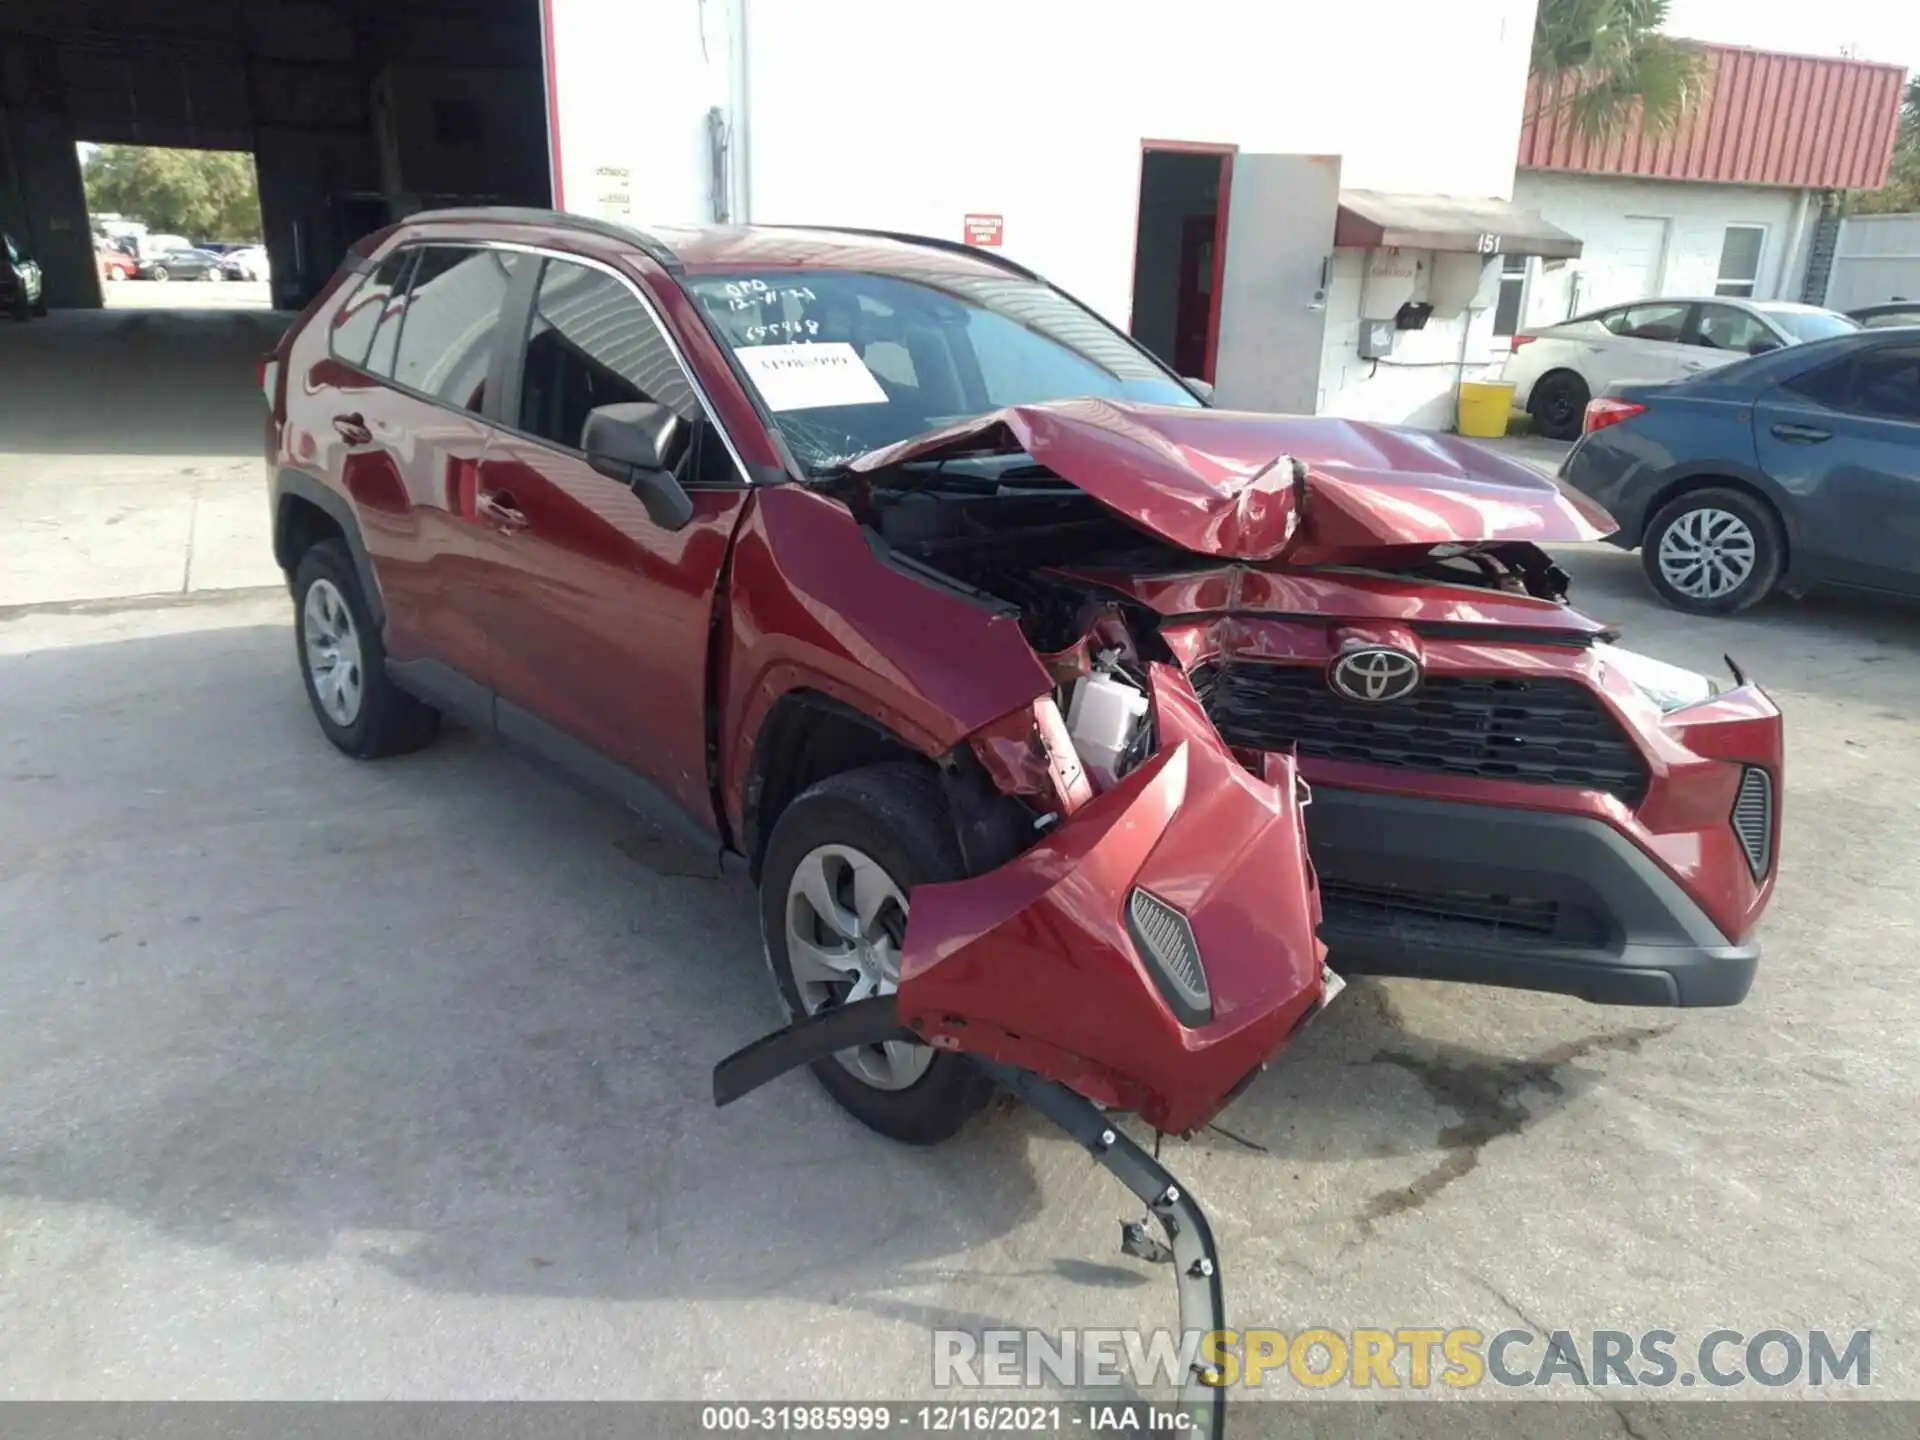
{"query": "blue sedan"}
(1795, 469)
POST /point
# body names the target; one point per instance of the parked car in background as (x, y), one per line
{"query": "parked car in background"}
(962, 589)
(1880, 317)
(116, 264)
(1797, 469)
(244, 262)
(181, 265)
(20, 283)
(1556, 369)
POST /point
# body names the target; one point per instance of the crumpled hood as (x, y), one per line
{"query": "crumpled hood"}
(1221, 482)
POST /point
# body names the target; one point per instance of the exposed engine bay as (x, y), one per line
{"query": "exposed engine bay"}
(1012, 533)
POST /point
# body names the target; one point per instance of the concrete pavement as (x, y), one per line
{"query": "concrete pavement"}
(130, 454)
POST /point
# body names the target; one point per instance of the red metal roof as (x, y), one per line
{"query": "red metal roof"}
(1764, 119)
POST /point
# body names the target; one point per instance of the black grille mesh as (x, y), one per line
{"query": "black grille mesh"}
(1542, 730)
(1753, 819)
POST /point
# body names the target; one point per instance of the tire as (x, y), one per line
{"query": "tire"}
(381, 719)
(1558, 405)
(160, 273)
(40, 306)
(213, 274)
(893, 816)
(1700, 542)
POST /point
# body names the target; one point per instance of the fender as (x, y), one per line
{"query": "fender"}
(287, 483)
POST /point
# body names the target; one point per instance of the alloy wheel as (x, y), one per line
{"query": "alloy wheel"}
(846, 919)
(333, 652)
(1707, 554)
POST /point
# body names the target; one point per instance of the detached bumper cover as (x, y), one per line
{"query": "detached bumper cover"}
(1033, 964)
(1526, 899)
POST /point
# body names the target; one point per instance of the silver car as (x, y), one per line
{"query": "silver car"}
(1556, 369)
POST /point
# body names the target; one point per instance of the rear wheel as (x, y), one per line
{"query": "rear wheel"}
(1558, 405)
(160, 273)
(343, 662)
(1714, 552)
(840, 869)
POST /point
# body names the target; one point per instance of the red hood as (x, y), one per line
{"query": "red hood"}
(1219, 482)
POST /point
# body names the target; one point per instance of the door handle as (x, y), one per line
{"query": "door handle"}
(1692, 364)
(498, 510)
(1802, 434)
(353, 429)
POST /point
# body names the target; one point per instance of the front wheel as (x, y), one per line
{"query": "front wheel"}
(1714, 552)
(840, 869)
(160, 273)
(1558, 405)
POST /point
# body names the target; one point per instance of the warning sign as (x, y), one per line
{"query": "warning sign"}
(985, 229)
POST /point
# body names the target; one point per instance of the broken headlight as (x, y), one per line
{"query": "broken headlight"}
(1668, 686)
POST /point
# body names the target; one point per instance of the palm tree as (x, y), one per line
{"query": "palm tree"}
(1605, 64)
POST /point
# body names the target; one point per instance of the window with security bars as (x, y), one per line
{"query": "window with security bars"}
(1740, 260)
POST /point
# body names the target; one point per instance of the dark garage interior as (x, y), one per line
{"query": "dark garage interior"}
(357, 112)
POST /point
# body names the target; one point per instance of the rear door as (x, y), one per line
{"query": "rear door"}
(601, 619)
(411, 433)
(1844, 439)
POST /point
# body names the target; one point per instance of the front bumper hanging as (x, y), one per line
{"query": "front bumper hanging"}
(1195, 1260)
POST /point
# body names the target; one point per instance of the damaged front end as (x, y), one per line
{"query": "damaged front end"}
(1138, 927)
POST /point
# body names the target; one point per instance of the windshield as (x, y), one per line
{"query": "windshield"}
(849, 361)
(1804, 325)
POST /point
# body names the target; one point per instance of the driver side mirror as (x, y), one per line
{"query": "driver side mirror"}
(1202, 388)
(1764, 344)
(630, 443)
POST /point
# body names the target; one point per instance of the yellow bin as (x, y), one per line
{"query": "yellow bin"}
(1483, 408)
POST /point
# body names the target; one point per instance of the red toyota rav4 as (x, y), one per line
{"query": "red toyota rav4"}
(1002, 661)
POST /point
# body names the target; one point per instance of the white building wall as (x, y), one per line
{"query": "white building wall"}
(909, 116)
(1614, 217)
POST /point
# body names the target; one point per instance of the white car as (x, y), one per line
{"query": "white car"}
(249, 262)
(1556, 369)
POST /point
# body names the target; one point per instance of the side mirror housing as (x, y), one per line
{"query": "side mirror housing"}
(1202, 388)
(1763, 346)
(630, 443)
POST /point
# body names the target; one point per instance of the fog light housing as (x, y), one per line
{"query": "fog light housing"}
(1165, 941)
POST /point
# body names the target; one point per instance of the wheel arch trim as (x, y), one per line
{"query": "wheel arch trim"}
(290, 484)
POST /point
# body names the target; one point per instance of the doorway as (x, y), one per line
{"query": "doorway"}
(1179, 252)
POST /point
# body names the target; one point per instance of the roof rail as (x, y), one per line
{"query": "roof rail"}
(649, 245)
(959, 247)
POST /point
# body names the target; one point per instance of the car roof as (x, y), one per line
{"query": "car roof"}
(698, 249)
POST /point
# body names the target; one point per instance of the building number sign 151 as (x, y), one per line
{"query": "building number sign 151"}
(1489, 245)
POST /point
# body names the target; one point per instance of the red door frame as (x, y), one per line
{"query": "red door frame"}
(1226, 154)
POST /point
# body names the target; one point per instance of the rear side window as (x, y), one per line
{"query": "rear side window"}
(1884, 383)
(360, 318)
(1649, 322)
(1724, 328)
(590, 343)
(450, 319)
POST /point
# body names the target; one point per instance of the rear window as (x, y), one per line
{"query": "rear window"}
(1805, 325)
(356, 322)
(452, 312)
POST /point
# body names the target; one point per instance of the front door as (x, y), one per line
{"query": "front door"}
(601, 619)
(1273, 290)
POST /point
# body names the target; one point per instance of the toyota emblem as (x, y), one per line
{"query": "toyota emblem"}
(1375, 675)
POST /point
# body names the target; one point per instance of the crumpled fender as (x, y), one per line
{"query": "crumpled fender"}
(1032, 965)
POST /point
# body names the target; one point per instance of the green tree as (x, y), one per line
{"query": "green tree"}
(1902, 190)
(1606, 65)
(201, 194)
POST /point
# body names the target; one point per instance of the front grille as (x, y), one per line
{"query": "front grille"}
(1475, 918)
(1541, 730)
(1753, 819)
